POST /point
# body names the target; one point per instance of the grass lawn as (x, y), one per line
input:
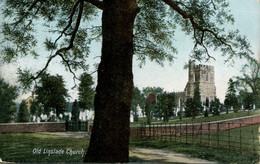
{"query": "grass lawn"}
(209, 143)
(22, 147)
(201, 119)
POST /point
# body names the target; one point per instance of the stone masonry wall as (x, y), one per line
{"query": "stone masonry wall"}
(32, 127)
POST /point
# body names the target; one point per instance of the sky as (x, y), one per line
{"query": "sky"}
(171, 77)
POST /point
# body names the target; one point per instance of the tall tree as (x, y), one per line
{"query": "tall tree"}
(231, 98)
(189, 107)
(86, 92)
(215, 106)
(144, 28)
(23, 113)
(8, 94)
(166, 104)
(249, 81)
(51, 92)
(75, 111)
(197, 102)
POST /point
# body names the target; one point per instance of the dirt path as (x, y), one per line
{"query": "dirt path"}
(145, 154)
(156, 155)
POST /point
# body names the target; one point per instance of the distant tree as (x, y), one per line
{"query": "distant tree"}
(86, 92)
(248, 100)
(215, 106)
(36, 109)
(197, 103)
(75, 111)
(7, 105)
(206, 113)
(23, 113)
(166, 104)
(149, 107)
(138, 99)
(51, 92)
(231, 98)
(189, 107)
(249, 81)
(179, 113)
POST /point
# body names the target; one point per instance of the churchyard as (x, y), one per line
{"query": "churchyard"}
(224, 146)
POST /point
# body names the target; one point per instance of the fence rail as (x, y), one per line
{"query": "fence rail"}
(232, 136)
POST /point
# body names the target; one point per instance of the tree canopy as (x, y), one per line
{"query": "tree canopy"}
(51, 92)
(249, 83)
(86, 92)
(8, 94)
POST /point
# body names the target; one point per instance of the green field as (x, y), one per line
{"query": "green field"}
(224, 146)
(31, 147)
(22, 147)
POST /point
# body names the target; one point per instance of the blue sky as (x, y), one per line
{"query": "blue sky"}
(171, 77)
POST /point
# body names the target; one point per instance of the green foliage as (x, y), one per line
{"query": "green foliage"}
(154, 32)
(138, 99)
(149, 108)
(247, 100)
(7, 105)
(206, 113)
(189, 107)
(86, 92)
(23, 18)
(166, 105)
(231, 98)
(75, 111)
(215, 107)
(23, 113)
(36, 109)
(248, 82)
(51, 92)
(197, 102)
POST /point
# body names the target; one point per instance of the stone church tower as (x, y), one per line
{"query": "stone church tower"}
(201, 76)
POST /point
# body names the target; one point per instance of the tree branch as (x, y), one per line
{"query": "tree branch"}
(174, 6)
(33, 4)
(70, 21)
(64, 49)
(97, 3)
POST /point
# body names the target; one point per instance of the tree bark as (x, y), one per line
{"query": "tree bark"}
(110, 135)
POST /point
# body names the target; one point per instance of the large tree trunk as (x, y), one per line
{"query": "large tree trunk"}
(110, 135)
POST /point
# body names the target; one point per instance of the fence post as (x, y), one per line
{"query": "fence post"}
(200, 134)
(170, 131)
(180, 132)
(240, 132)
(209, 134)
(229, 136)
(186, 133)
(175, 132)
(192, 133)
(217, 135)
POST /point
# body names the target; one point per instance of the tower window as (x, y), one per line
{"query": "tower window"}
(207, 77)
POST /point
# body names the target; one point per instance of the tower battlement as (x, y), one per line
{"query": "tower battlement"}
(202, 77)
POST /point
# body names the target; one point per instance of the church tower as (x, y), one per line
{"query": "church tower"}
(201, 76)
